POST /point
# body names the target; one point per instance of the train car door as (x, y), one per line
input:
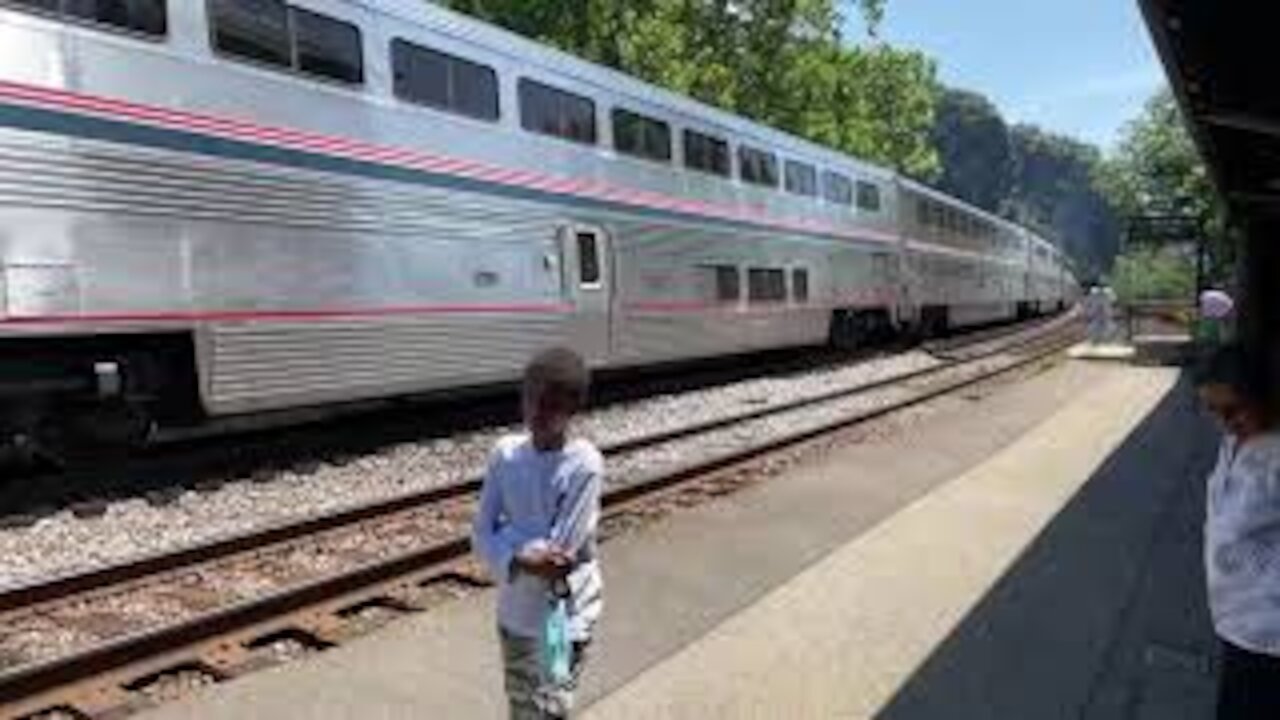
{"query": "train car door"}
(588, 250)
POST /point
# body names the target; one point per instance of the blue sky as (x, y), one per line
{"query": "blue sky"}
(1080, 67)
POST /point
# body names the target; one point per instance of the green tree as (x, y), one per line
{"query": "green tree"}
(872, 15)
(886, 100)
(1156, 170)
(974, 149)
(1153, 274)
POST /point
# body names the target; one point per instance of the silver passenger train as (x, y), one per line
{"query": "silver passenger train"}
(212, 208)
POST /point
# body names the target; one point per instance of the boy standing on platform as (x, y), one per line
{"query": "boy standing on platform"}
(536, 530)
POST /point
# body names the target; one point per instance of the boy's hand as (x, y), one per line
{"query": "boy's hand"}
(549, 563)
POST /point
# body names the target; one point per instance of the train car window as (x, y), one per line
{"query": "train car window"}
(757, 167)
(727, 282)
(146, 17)
(473, 89)
(641, 136)
(421, 75)
(429, 77)
(766, 285)
(253, 29)
(837, 188)
(706, 153)
(551, 111)
(272, 32)
(868, 196)
(588, 259)
(939, 216)
(801, 179)
(327, 47)
(922, 213)
(142, 16)
(800, 285)
(50, 6)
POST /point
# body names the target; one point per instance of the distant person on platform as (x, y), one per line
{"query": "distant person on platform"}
(1216, 311)
(1099, 305)
(536, 530)
(1242, 534)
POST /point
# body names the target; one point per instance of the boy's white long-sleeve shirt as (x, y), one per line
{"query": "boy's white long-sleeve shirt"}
(1242, 543)
(535, 497)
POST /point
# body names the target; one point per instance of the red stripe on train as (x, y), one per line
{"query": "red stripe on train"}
(400, 157)
(284, 315)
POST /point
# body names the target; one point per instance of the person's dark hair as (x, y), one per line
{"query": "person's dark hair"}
(1231, 365)
(560, 371)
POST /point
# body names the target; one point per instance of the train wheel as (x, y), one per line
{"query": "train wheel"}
(77, 434)
(935, 321)
(844, 330)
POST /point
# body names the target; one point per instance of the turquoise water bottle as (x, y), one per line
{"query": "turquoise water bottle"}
(555, 642)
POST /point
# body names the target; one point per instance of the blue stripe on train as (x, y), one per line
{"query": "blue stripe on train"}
(80, 126)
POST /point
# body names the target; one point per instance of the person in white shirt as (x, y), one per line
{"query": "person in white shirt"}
(535, 529)
(1099, 308)
(1242, 534)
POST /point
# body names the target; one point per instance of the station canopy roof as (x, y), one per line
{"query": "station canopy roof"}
(1223, 62)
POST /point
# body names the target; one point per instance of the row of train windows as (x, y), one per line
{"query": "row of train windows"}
(939, 216)
(764, 285)
(559, 113)
(276, 34)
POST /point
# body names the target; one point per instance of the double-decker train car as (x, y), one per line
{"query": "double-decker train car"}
(218, 208)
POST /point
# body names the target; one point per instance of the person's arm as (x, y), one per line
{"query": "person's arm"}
(491, 543)
(579, 515)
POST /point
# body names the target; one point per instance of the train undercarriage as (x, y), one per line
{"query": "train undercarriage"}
(71, 400)
(76, 397)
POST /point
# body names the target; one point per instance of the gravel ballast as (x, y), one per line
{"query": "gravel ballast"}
(64, 543)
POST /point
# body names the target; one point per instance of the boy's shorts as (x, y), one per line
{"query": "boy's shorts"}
(530, 695)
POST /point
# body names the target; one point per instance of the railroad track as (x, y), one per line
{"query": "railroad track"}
(204, 457)
(204, 461)
(207, 608)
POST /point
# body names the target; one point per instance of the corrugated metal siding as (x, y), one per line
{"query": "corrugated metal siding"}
(648, 337)
(258, 366)
(94, 177)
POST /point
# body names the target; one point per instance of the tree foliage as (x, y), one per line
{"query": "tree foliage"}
(779, 62)
(1039, 179)
(975, 149)
(1153, 274)
(1156, 170)
(872, 15)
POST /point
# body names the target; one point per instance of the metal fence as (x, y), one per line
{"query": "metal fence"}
(1157, 319)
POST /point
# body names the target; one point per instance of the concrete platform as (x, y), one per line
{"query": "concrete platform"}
(1168, 350)
(1023, 555)
(1115, 352)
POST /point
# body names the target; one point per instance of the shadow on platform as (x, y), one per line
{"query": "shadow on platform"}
(1103, 617)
